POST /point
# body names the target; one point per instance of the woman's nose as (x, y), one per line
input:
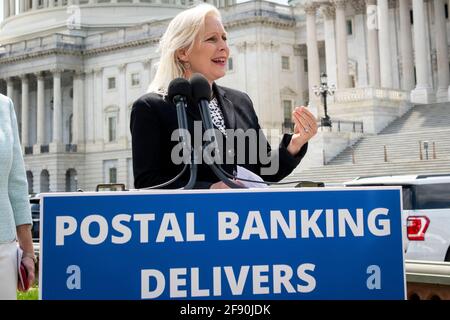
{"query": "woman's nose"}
(223, 46)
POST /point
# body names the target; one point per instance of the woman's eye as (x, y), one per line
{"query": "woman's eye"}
(211, 39)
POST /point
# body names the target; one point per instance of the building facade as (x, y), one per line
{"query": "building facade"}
(74, 68)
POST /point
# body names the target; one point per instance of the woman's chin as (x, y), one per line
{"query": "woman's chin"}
(219, 75)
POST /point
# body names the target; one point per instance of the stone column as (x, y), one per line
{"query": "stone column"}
(328, 13)
(423, 91)
(57, 108)
(341, 45)
(89, 120)
(25, 110)
(373, 52)
(34, 5)
(22, 6)
(6, 9)
(98, 107)
(406, 47)
(385, 44)
(10, 88)
(122, 121)
(51, 4)
(313, 53)
(40, 139)
(148, 76)
(441, 51)
(12, 7)
(78, 110)
(360, 36)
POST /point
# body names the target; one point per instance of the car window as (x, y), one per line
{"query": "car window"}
(35, 216)
(432, 196)
(407, 193)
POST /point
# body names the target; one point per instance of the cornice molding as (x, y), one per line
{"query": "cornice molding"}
(39, 54)
(280, 24)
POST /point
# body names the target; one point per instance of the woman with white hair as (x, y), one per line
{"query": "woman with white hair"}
(196, 42)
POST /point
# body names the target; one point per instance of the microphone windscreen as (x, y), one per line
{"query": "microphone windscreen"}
(200, 88)
(179, 87)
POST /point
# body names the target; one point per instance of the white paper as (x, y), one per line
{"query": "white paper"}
(247, 174)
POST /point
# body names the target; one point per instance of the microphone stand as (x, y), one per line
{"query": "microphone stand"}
(206, 117)
(180, 103)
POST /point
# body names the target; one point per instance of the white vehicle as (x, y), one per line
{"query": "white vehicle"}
(426, 213)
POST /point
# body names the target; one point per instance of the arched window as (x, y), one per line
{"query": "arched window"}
(71, 180)
(30, 182)
(45, 181)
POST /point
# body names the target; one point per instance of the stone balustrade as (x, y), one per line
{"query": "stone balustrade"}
(360, 94)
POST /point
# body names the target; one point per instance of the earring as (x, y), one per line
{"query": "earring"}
(186, 65)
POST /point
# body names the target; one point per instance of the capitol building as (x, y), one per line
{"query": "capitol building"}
(73, 69)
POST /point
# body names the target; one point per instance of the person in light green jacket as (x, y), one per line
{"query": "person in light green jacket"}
(15, 213)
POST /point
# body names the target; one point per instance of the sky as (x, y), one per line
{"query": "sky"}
(277, 1)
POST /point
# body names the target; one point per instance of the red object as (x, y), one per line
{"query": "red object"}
(416, 227)
(23, 277)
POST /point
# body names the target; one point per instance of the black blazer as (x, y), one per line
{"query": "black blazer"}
(153, 119)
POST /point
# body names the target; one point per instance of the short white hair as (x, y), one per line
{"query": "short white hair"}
(181, 33)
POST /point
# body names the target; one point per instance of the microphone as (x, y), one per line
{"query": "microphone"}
(201, 93)
(178, 91)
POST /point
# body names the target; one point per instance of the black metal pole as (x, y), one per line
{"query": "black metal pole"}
(325, 121)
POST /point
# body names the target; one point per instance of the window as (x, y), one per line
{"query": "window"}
(71, 180)
(415, 75)
(30, 182)
(112, 127)
(285, 63)
(305, 65)
(111, 83)
(135, 79)
(411, 16)
(110, 171)
(432, 196)
(230, 64)
(288, 125)
(446, 10)
(45, 181)
(352, 81)
(112, 175)
(287, 107)
(130, 173)
(70, 125)
(349, 27)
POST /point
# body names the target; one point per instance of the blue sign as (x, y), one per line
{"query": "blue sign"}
(247, 244)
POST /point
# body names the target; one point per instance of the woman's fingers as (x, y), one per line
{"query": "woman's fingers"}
(306, 118)
(302, 124)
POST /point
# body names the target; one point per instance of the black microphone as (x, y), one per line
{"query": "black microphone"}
(178, 92)
(201, 93)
